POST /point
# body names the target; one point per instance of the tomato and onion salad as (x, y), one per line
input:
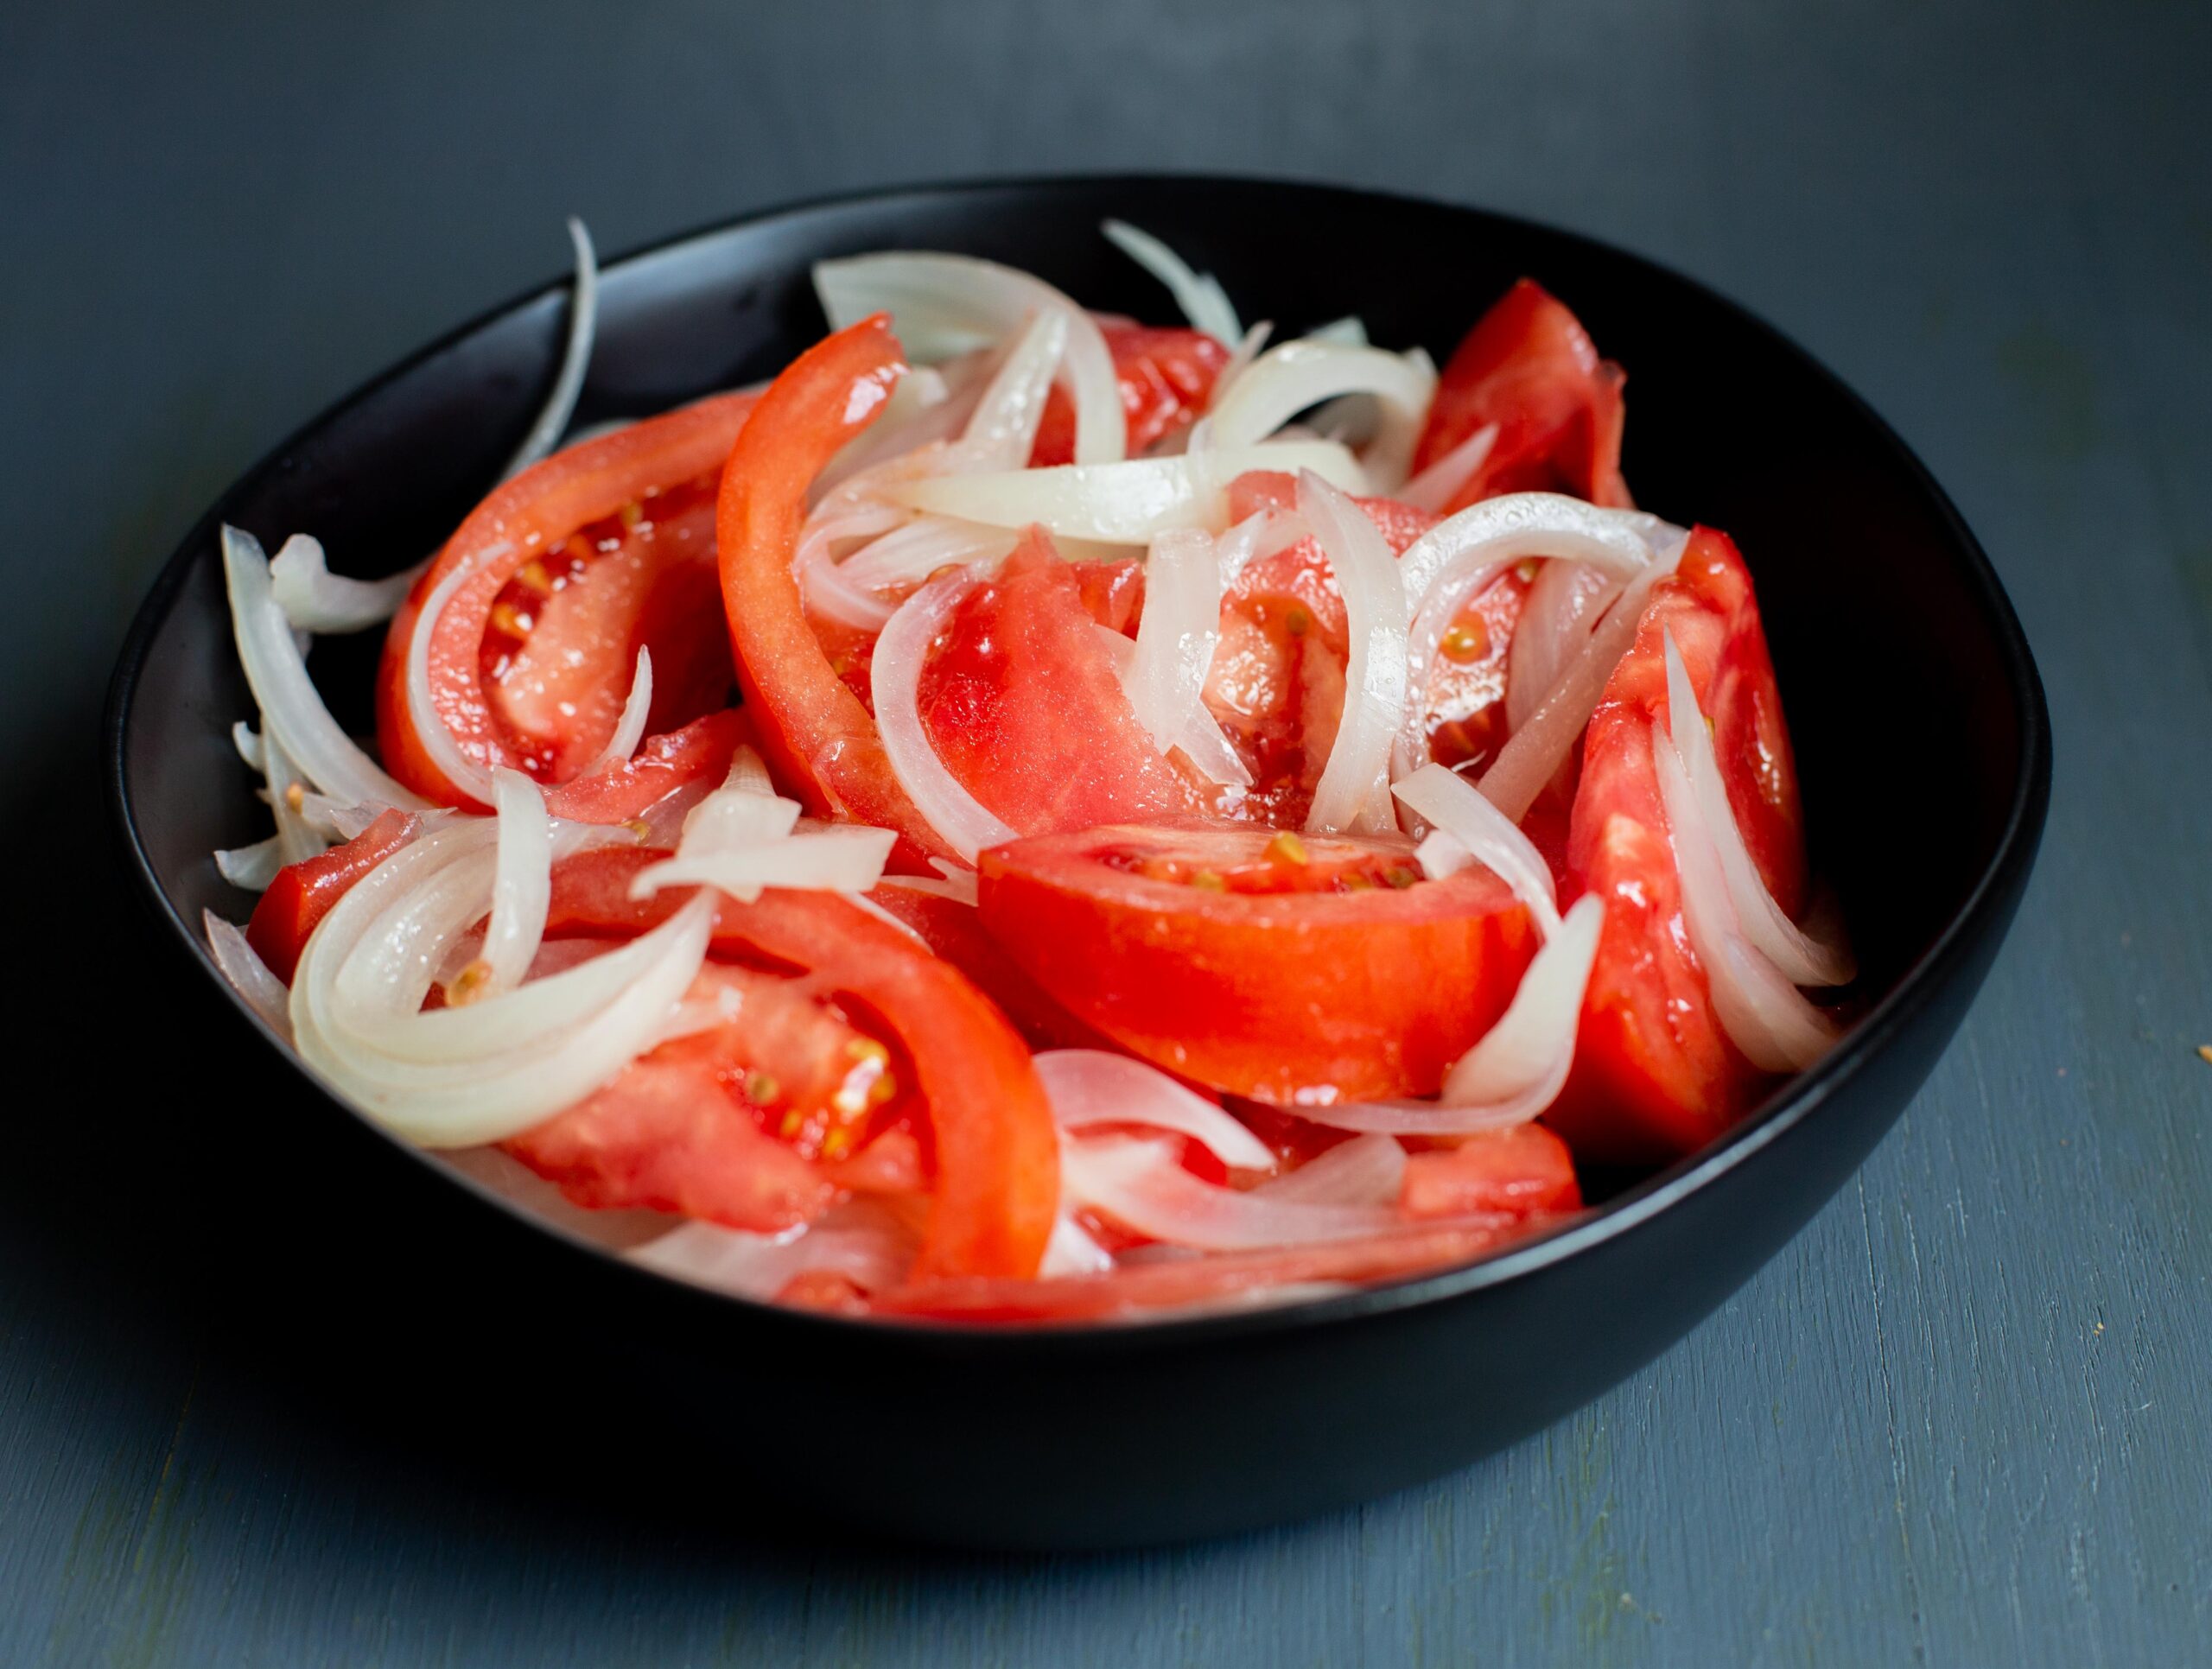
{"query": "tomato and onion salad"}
(1031, 816)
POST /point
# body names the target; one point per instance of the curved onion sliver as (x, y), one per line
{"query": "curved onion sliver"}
(1089, 1087)
(1353, 792)
(966, 824)
(1285, 380)
(1139, 1183)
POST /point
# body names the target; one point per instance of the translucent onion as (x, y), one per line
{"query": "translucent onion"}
(630, 728)
(248, 975)
(1800, 958)
(829, 589)
(895, 674)
(1200, 295)
(1176, 635)
(583, 319)
(1002, 431)
(291, 711)
(860, 1240)
(1088, 1087)
(1202, 738)
(252, 867)
(1520, 1065)
(1518, 525)
(1288, 379)
(1452, 805)
(1072, 1251)
(906, 556)
(1351, 331)
(1139, 1183)
(841, 858)
(1365, 1171)
(1561, 610)
(1125, 503)
(950, 881)
(522, 882)
(1353, 792)
(315, 600)
(298, 838)
(944, 305)
(456, 767)
(1438, 484)
(927, 405)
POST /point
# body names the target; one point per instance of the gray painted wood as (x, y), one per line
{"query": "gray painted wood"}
(1961, 1420)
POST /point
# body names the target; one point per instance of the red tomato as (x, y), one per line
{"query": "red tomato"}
(303, 893)
(510, 538)
(992, 1150)
(1655, 1078)
(1022, 702)
(1300, 971)
(1520, 1173)
(955, 932)
(1166, 378)
(1530, 368)
(819, 739)
(702, 750)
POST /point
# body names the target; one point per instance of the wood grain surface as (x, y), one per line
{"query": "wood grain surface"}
(1961, 1420)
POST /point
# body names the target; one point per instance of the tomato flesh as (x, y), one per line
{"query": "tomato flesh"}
(1166, 376)
(302, 894)
(1654, 1075)
(1522, 1171)
(1293, 970)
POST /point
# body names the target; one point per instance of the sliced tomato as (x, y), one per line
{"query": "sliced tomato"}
(1167, 376)
(819, 737)
(302, 894)
(1293, 970)
(1655, 1076)
(1530, 368)
(991, 1148)
(700, 751)
(954, 931)
(1022, 702)
(529, 520)
(1520, 1172)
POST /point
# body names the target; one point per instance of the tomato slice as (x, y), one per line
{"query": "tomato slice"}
(1022, 702)
(1520, 1173)
(1293, 970)
(700, 751)
(1655, 1076)
(302, 894)
(1166, 376)
(1530, 368)
(992, 1145)
(529, 521)
(954, 931)
(819, 737)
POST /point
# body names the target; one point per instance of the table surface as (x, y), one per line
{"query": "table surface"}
(1962, 1419)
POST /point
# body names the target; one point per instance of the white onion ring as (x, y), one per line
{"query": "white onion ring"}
(1561, 610)
(630, 728)
(1436, 486)
(251, 868)
(1353, 792)
(1089, 1087)
(456, 767)
(248, 975)
(1202, 738)
(1197, 295)
(1366, 1171)
(840, 858)
(827, 587)
(315, 600)
(1140, 1184)
(859, 1239)
(1452, 806)
(583, 320)
(1002, 431)
(1287, 379)
(1176, 636)
(960, 819)
(522, 882)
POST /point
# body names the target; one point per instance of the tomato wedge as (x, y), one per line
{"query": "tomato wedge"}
(700, 751)
(1655, 1076)
(529, 520)
(1166, 376)
(302, 894)
(954, 931)
(1519, 1172)
(992, 1143)
(1293, 970)
(1530, 368)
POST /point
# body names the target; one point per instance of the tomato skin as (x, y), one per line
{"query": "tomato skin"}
(1302, 997)
(1522, 1171)
(1655, 1076)
(302, 894)
(703, 749)
(1530, 368)
(532, 514)
(954, 931)
(819, 739)
(994, 1148)
(1167, 376)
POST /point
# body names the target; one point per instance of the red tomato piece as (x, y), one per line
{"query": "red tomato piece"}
(1294, 970)
(1530, 368)
(992, 1150)
(954, 931)
(701, 750)
(529, 521)
(1520, 1172)
(302, 894)
(1655, 1076)
(1022, 702)
(1167, 376)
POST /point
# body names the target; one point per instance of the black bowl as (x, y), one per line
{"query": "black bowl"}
(1907, 681)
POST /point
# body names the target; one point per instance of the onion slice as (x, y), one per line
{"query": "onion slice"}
(1353, 791)
(1520, 1064)
(1561, 610)
(841, 858)
(860, 1240)
(575, 358)
(629, 728)
(895, 675)
(521, 883)
(1287, 379)
(944, 305)
(251, 868)
(1125, 503)
(1436, 486)
(315, 600)
(1366, 1171)
(1452, 806)
(248, 975)
(1202, 738)
(1176, 634)
(1198, 294)
(1088, 1087)
(456, 767)
(1139, 1183)
(1003, 428)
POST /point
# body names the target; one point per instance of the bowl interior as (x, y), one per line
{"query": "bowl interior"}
(1901, 669)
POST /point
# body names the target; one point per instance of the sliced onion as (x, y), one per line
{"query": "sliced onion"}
(315, 600)
(1535, 751)
(829, 589)
(1090, 1087)
(1365, 1171)
(456, 767)
(1125, 503)
(1438, 484)
(248, 975)
(1200, 295)
(903, 558)
(291, 710)
(1285, 380)
(1351, 331)
(503, 1174)
(247, 741)
(252, 867)
(583, 320)
(298, 838)
(1072, 1251)
(522, 882)
(1800, 958)
(1242, 353)
(895, 675)
(950, 881)
(842, 857)
(927, 405)
(1353, 792)
(860, 1240)
(1003, 429)
(1176, 634)
(1561, 610)
(1139, 1183)
(1202, 738)
(944, 305)
(1517, 525)
(1520, 1065)
(1455, 807)
(629, 728)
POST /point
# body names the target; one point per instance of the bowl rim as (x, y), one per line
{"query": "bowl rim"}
(1790, 1105)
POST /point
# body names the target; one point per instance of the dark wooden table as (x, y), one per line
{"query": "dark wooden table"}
(1961, 1420)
